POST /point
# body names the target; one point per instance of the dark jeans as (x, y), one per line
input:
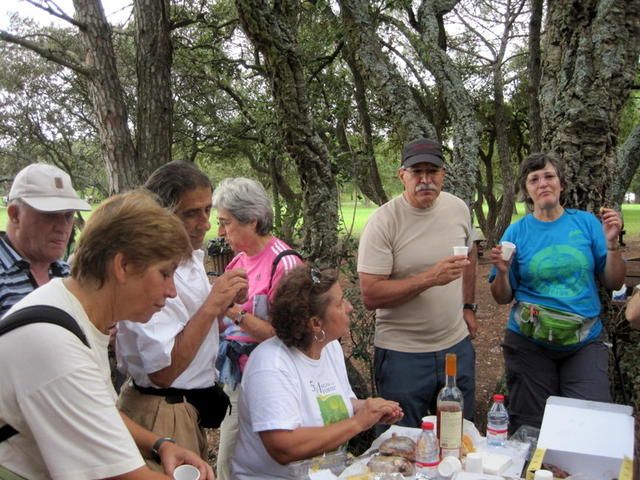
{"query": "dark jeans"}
(414, 379)
(534, 373)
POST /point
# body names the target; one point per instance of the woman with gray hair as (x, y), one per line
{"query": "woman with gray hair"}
(245, 221)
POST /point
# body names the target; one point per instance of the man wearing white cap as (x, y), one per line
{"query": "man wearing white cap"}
(42, 203)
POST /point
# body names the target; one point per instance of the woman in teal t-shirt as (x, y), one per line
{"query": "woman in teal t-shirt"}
(554, 343)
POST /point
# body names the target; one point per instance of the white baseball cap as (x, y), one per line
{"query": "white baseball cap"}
(46, 188)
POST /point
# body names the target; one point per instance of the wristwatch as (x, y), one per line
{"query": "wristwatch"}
(471, 306)
(239, 317)
(155, 450)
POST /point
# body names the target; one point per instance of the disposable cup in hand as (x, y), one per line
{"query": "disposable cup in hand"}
(186, 472)
(507, 250)
(461, 250)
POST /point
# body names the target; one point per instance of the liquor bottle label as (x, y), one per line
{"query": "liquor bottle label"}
(450, 429)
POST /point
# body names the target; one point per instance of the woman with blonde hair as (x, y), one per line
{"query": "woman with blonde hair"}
(56, 392)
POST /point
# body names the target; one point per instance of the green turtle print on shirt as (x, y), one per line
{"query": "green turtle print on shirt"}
(560, 271)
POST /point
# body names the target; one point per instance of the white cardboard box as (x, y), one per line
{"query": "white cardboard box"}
(590, 439)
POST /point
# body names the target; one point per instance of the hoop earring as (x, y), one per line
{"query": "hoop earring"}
(321, 339)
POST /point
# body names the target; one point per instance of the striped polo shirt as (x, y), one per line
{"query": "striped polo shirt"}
(16, 280)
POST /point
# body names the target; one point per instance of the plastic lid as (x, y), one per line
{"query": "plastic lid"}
(427, 425)
(498, 397)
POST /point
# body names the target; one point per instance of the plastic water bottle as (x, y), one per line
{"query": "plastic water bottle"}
(497, 422)
(427, 452)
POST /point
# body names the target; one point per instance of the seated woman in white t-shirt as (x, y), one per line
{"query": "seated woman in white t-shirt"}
(55, 391)
(295, 399)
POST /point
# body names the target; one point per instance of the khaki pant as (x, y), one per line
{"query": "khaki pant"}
(178, 420)
(228, 436)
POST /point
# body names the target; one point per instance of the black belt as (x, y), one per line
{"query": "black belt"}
(171, 395)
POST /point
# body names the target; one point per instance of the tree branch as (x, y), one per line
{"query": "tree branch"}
(57, 12)
(44, 52)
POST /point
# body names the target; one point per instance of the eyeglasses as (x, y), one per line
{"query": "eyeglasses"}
(420, 172)
(316, 276)
(535, 179)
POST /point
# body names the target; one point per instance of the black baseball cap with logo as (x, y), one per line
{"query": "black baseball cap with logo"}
(422, 151)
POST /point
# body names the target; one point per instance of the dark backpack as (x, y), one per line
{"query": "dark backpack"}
(276, 260)
(37, 314)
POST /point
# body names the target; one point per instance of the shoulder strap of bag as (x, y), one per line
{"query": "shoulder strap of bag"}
(276, 260)
(38, 314)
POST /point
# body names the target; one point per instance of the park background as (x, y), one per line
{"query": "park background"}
(315, 99)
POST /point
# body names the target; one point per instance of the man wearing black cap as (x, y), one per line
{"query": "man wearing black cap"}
(42, 203)
(423, 294)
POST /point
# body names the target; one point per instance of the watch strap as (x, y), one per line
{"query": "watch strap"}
(155, 450)
(239, 317)
(471, 306)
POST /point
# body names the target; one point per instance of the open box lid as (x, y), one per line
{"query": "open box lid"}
(587, 427)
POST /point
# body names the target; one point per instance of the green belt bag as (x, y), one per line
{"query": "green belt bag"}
(552, 326)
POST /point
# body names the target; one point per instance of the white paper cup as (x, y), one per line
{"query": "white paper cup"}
(186, 472)
(464, 250)
(473, 463)
(507, 250)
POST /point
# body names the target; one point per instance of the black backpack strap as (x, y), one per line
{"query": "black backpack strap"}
(37, 314)
(7, 431)
(276, 260)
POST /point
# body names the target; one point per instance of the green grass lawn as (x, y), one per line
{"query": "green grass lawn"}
(630, 213)
(353, 220)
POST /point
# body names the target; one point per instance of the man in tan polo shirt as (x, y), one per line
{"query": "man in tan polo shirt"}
(424, 296)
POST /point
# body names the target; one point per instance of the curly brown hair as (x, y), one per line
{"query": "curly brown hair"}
(301, 294)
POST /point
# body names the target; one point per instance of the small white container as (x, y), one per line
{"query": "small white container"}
(449, 466)
(473, 463)
(543, 475)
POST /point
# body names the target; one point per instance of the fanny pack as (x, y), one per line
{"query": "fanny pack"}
(552, 326)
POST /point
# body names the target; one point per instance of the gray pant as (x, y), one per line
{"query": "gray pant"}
(534, 373)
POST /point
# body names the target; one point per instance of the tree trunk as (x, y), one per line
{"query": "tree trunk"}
(107, 96)
(590, 62)
(364, 160)
(627, 162)
(272, 31)
(380, 74)
(465, 128)
(154, 116)
(535, 122)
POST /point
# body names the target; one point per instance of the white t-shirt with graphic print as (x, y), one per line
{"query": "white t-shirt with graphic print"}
(283, 389)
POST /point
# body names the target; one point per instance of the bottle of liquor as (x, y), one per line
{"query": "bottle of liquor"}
(449, 412)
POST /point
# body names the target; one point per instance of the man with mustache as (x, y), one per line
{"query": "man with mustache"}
(42, 203)
(423, 294)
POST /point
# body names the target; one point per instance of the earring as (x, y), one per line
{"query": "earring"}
(321, 339)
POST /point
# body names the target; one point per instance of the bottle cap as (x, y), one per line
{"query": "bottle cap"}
(427, 425)
(450, 364)
(498, 397)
